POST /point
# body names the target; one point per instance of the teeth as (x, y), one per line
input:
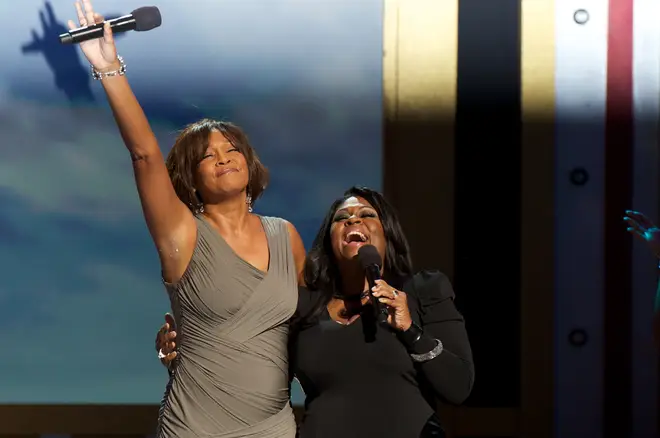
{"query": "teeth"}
(356, 233)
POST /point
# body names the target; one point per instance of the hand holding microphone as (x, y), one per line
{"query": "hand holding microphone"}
(95, 35)
(391, 305)
(101, 52)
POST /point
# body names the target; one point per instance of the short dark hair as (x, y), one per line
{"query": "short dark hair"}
(189, 149)
(321, 271)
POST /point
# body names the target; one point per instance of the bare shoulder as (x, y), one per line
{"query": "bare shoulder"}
(296, 240)
(298, 249)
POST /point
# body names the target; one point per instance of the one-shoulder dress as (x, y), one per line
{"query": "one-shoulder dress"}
(231, 375)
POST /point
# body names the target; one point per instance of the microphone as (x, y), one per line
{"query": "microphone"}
(140, 20)
(371, 262)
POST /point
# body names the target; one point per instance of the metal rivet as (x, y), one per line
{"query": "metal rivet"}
(579, 176)
(578, 337)
(581, 16)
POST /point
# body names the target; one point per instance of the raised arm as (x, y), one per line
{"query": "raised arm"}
(170, 222)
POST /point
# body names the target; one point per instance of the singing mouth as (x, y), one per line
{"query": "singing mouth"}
(355, 237)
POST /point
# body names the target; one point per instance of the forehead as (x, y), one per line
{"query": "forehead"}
(353, 202)
(218, 139)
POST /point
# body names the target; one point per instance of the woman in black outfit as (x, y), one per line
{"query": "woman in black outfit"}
(362, 378)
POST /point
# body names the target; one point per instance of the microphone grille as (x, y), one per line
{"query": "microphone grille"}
(368, 256)
(146, 18)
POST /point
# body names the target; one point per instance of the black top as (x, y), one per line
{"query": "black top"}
(358, 387)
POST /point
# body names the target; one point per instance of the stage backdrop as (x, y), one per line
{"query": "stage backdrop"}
(80, 293)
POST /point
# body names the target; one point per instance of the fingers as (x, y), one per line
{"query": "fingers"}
(639, 235)
(71, 24)
(89, 11)
(107, 34)
(384, 290)
(640, 218)
(168, 347)
(169, 319)
(165, 335)
(167, 360)
(388, 295)
(81, 15)
(98, 18)
(633, 224)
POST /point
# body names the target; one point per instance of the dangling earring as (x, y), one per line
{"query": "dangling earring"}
(248, 201)
(199, 208)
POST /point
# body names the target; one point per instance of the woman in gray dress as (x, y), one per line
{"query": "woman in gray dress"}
(231, 275)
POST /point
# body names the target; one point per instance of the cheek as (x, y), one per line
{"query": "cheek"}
(378, 236)
(204, 173)
(242, 162)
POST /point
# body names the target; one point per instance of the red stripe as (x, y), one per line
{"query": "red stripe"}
(618, 197)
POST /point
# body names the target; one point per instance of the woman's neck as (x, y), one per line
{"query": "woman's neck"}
(230, 216)
(353, 281)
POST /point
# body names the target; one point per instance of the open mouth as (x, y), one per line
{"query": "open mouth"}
(355, 238)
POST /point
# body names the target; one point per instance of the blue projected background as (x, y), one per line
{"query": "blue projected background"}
(80, 293)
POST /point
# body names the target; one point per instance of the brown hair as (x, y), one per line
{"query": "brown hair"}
(189, 149)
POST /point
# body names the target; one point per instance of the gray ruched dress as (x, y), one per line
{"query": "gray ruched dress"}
(231, 376)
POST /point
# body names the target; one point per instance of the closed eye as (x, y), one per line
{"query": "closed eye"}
(362, 214)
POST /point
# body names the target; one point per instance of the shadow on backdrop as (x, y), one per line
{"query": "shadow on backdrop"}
(71, 76)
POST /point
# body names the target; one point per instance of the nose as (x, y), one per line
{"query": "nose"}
(353, 220)
(222, 160)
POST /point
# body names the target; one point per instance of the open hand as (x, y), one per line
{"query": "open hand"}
(100, 52)
(644, 229)
(165, 341)
(397, 302)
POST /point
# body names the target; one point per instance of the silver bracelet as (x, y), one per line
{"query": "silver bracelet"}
(425, 357)
(97, 75)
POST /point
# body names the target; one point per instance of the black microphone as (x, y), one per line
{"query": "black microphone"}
(140, 20)
(371, 262)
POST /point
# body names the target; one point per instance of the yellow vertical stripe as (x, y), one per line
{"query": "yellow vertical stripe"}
(537, 221)
(419, 85)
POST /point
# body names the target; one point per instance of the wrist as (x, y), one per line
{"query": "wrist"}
(406, 326)
(112, 67)
(116, 68)
(411, 335)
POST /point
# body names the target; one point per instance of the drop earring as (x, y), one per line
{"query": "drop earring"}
(248, 201)
(199, 208)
